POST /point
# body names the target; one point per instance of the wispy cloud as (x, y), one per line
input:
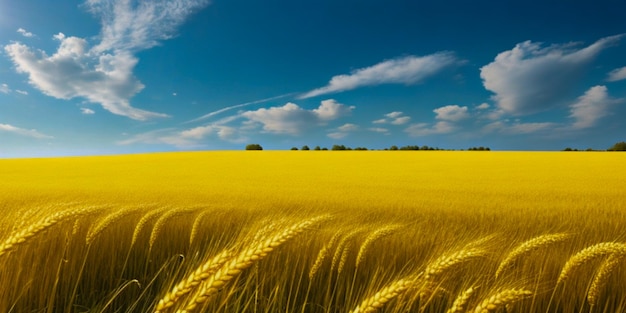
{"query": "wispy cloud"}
(87, 111)
(33, 133)
(394, 118)
(21, 92)
(518, 128)
(25, 33)
(530, 78)
(591, 107)
(343, 131)
(104, 73)
(617, 74)
(4, 88)
(232, 107)
(425, 129)
(405, 70)
(292, 119)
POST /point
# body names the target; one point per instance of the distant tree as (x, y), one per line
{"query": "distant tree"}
(294, 148)
(409, 147)
(317, 148)
(254, 146)
(425, 147)
(393, 148)
(324, 149)
(338, 147)
(305, 147)
(360, 148)
(620, 146)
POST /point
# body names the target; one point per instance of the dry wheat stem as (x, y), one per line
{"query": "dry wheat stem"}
(501, 299)
(245, 259)
(21, 236)
(589, 254)
(371, 238)
(528, 246)
(200, 274)
(601, 277)
(460, 303)
(383, 296)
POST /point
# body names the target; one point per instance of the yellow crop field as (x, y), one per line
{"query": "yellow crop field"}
(314, 231)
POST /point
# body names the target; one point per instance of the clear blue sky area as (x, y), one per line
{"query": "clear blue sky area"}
(124, 76)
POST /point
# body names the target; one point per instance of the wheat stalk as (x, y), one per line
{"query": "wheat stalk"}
(528, 246)
(196, 226)
(160, 223)
(245, 259)
(436, 269)
(589, 254)
(186, 285)
(321, 256)
(104, 223)
(378, 300)
(143, 221)
(601, 277)
(501, 299)
(21, 236)
(371, 238)
(340, 247)
(460, 303)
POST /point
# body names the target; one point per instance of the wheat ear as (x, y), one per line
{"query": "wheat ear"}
(601, 277)
(160, 223)
(460, 303)
(321, 256)
(378, 300)
(104, 223)
(528, 246)
(501, 299)
(143, 221)
(195, 228)
(245, 259)
(589, 254)
(371, 238)
(341, 246)
(200, 274)
(21, 236)
(436, 269)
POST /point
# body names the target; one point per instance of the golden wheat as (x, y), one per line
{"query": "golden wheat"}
(501, 299)
(321, 256)
(460, 303)
(143, 221)
(340, 247)
(186, 285)
(195, 228)
(588, 254)
(19, 237)
(371, 238)
(436, 269)
(161, 221)
(378, 300)
(601, 277)
(527, 246)
(245, 259)
(107, 221)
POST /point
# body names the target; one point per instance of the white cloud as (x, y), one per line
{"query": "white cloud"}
(530, 78)
(405, 70)
(24, 32)
(617, 74)
(87, 111)
(424, 129)
(518, 128)
(452, 113)
(190, 138)
(337, 135)
(24, 132)
(104, 73)
(380, 121)
(401, 120)
(591, 107)
(395, 118)
(4, 88)
(292, 119)
(483, 106)
(222, 110)
(394, 114)
(379, 130)
(348, 127)
(21, 92)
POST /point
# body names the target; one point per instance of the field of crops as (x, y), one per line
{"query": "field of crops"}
(315, 231)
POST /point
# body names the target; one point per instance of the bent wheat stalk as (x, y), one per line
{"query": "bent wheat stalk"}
(245, 259)
(200, 274)
(501, 299)
(460, 303)
(321, 256)
(600, 279)
(21, 236)
(143, 221)
(378, 300)
(441, 265)
(371, 238)
(588, 254)
(107, 221)
(528, 246)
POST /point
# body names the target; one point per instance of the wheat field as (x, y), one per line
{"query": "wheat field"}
(314, 231)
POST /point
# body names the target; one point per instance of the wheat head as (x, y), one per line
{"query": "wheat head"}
(501, 299)
(460, 303)
(436, 269)
(601, 277)
(143, 221)
(378, 300)
(371, 238)
(321, 256)
(528, 246)
(195, 228)
(161, 221)
(245, 259)
(588, 254)
(340, 247)
(107, 221)
(186, 285)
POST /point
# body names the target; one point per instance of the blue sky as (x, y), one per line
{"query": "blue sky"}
(115, 76)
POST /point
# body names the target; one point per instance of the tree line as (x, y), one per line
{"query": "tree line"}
(347, 148)
(620, 146)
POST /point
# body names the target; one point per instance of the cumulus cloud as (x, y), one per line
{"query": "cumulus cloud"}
(343, 131)
(104, 73)
(617, 74)
(189, 138)
(25, 33)
(87, 111)
(33, 133)
(530, 78)
(591, 107)
(483, 106)
(452, 113)
(425, 129)
(4, 88)
(518, 128)
(405, 70)
(292, 119)
(394, 118)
